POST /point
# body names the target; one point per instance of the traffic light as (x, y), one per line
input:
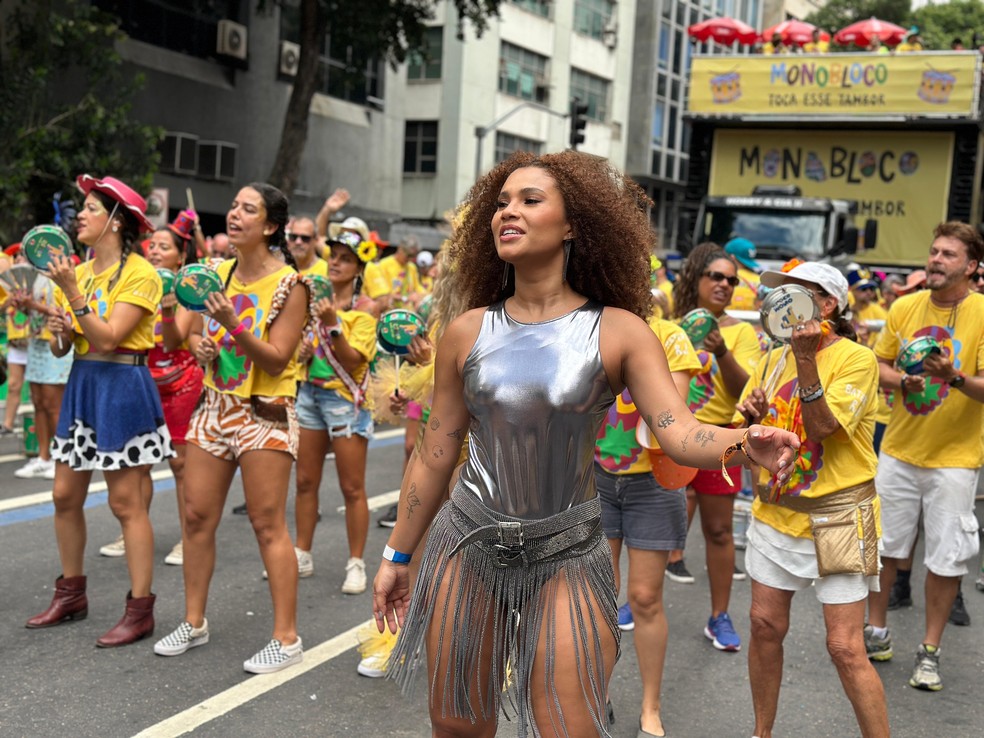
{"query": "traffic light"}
(578, 122)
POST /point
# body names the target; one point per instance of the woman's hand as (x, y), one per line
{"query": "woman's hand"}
(806, 339)
(205, 351)
(390, 595)
(220, 307)
(421, 350)
(61, 272)
(755, 406)
(169, 301)
(398, 402)
(772, 448)
(307, 350)
(714, 342)
(324, 310)
(59, 323)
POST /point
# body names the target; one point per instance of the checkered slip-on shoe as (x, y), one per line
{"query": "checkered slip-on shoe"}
(181, 639)
(274, 657)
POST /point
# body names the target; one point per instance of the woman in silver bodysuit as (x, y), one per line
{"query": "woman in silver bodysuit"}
(516, 585)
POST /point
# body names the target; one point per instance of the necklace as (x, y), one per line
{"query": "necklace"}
(951, 320)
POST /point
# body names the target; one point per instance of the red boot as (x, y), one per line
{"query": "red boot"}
(69, 603)
(137, 622)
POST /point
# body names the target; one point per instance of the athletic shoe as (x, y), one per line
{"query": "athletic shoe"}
(274, 656)
(900, 595)
(722, 633)
(30, 469)
(375, 649)
(878, 649)
(677, 571)
(389, 517)
(739, 575)
(625, 621)
(355, 577)
(5, 431)
(46, 470)
(176, 557)
(926, 673)
(181, 639)
(114, 550)
(305, 564)
(958, 613)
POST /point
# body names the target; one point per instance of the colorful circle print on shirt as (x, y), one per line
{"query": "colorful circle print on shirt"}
(232, 366)
(702, 385)
(784, 412)
(935, 390)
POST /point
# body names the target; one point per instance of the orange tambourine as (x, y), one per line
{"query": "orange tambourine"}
(668, 473)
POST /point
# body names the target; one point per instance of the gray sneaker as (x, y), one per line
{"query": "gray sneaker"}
(879, 649)
(926, 672)
(181, 639)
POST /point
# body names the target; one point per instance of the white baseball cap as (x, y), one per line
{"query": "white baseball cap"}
(823, 275)
(425, 259)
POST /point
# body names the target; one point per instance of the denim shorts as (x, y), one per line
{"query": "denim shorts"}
(635, 508)
(326, 410)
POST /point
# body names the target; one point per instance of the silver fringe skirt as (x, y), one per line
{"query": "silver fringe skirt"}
(503, 574)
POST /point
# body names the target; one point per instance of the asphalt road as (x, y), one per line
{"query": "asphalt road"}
(55, 682)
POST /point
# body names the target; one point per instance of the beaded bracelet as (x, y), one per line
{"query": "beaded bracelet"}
(812, 396)
(809, 390)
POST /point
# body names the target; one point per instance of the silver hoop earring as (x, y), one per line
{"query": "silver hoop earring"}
(568, 247)
(116, 228)
(505, 275)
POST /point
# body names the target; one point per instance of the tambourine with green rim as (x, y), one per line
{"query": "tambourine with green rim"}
(396, 330)
(194, 283)
(320, 287)
(425, 307)
(43, 243)
(167, 279)
(697, 324)
(910, 359)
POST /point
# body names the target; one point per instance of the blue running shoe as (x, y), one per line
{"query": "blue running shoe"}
(625, 621)
(722, 633)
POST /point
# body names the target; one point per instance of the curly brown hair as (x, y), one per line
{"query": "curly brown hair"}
(685, 288)
(607, 213)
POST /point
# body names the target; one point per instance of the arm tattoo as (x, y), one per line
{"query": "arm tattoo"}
(412, 499)
(438, 452)
(704, 437)
(435, 424)
(686, 440)
(665, 419)
(456, 434)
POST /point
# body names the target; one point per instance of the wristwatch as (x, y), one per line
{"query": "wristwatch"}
(957, 381)
(335, 331)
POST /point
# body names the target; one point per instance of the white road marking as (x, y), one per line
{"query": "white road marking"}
(377, 501)
(11, 457)
(39, 498)
(224, 702)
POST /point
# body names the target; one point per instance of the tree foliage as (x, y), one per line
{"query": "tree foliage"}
(940, 24)
(65, 109)
(839, 13)
(387, 30)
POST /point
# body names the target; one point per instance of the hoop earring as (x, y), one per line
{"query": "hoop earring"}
(568, 247)
(505, 275)
(115, 228)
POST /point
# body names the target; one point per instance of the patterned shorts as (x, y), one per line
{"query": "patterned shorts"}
(228, 426)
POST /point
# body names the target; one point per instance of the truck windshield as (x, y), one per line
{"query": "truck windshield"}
(778, 233)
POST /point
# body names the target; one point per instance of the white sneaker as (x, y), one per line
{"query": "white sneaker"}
(375, 648)
(176, 557)
(181, 639)
(114, 550)
(274, 657)
(46, 469)
(373, 666)
(30, 469)
(355, 577)
(305, 564)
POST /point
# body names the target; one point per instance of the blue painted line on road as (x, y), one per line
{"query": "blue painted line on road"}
(47, 509)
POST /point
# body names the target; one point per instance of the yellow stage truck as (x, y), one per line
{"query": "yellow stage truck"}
(798, 153)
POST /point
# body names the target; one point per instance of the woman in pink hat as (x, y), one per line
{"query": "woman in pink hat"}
(106, 313)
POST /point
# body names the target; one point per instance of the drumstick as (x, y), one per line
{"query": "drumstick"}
(396, 358)
(191, 200)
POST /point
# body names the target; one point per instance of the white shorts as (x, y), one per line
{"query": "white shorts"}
(17, 355)
(944, 497)
(784, 562)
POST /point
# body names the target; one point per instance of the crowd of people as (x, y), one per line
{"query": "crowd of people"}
(555, 415)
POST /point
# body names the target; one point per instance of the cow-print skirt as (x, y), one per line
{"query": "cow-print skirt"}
(111, 418)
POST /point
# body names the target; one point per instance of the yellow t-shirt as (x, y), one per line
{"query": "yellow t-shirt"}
(617, 449)
(374, 282)
(941, 426)
(319, 267)
(231, 371)
(402, 278)
(872, 311)
(819, 47)
(359, 328)
(18, 325)
(709, 399)
(849, 377)
(139, 284)
(745, 296)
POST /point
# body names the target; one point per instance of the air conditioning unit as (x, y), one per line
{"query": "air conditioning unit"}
(290, 58)
(179, 153)
(609, 36)
(217, 160)
(231, 40)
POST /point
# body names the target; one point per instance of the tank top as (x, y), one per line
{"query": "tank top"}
(537, 394)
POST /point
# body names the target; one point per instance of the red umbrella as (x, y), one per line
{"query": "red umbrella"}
(724, 31)
(861, 33)
(791, 32)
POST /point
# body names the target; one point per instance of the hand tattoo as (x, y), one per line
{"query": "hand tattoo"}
(412, 499)
(665, 419)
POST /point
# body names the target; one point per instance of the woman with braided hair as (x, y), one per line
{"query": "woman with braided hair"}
(246, 420)
(107, 308)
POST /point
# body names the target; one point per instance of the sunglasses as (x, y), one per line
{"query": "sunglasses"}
(977, 277)
(299, 237)
(719, 277)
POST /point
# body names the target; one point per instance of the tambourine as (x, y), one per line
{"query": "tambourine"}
(167, 279)
(424, 308)
(320, 287)
(396, 329)
(786, 307)
(194, 283)
(43, 243)
(910, 359)
(697, 324)
(668, 473)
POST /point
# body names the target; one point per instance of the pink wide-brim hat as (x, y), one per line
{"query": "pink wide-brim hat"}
(122, 193)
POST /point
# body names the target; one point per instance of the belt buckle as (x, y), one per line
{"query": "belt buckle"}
(508, 553)
(510, 534)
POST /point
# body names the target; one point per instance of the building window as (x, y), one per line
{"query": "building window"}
(523, 73)
(537, 7)
(507, 143)
(659, 123)
(592, 16)
(420, 147)
(189, 28)
(427, 65)
(591, 91)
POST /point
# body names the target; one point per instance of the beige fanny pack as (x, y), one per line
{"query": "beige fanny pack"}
(843, 527)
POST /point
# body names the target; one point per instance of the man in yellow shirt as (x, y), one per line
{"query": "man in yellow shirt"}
(933, 448)
(745, 296)
(869, 316)
(818, 45)
(400, 271)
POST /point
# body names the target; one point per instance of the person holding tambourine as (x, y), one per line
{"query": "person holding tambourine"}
(820, 527)
(245, 419)
(106, 312)
(728, 354)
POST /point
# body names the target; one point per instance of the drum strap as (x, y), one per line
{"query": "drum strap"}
(358, 389)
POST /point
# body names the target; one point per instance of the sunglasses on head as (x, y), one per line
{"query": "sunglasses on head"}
(721, 277)
(299, 237)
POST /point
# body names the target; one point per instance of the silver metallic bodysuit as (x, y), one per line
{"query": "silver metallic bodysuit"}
(537, 393)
